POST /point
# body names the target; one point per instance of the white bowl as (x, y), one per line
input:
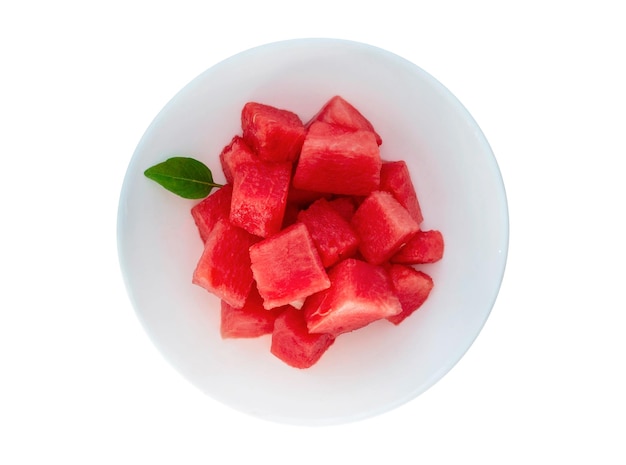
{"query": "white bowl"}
(365, 372)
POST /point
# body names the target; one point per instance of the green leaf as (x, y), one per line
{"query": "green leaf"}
(186, 177)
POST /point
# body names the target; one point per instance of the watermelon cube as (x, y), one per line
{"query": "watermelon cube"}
(332, 234)
(338, 161)
(287, 267)
(412, 288)
(235, 153)
(209, 210)
(383, 227)
(251, 320)
(224, 266)
(340, 112)
(424, 247)
(274, 134)
(260, 196)
(360, 293)
(293, 344)
(396, 179)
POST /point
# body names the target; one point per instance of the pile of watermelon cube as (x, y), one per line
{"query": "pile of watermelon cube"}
(313, 235)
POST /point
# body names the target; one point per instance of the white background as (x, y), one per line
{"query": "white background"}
(80, 382)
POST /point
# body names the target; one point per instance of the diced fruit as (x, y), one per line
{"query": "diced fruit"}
(287, 267)
(235, 153)
(396, 179)
(360, 293)
(338, 161)
(274, 134)
(251, 320)
(211, 209)
(293, 344)
(338, 111)
(260, 196)
(383, 227)
(224, 267)
(313, 235)
(424, 247)
(332, 234)
(412, 288)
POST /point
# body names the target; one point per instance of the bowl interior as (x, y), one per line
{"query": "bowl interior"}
(365, 372)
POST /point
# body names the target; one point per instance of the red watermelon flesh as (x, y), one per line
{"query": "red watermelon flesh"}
(424, 247)
(287, 267)
(303, 198)
(274, 134)
(345, 206)
(235, 153)
(298, 199)
(412, 288)
(224, 267)
(260, 196)
(360, 293)
(383, 227)
(291, 214)
(396, 179)
(340, 112)
(251, 320)
(313, 216)
(332, 234)
(209, 210)
(293, 344)
(338, 161)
